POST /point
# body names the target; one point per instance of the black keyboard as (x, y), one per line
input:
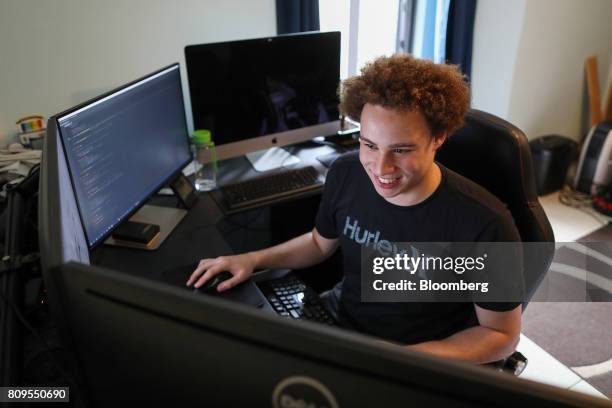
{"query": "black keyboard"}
(270, 188)
(290, 297)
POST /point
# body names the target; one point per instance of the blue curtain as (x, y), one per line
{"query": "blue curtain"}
(294, 16)
(460, 33)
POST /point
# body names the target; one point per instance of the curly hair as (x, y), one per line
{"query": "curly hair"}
(404, 83)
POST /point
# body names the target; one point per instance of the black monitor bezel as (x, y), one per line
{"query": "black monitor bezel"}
(48, 201)
(315, 342)
(139, 204)
(245, 145)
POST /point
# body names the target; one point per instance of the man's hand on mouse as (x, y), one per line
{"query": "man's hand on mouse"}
(240, 266)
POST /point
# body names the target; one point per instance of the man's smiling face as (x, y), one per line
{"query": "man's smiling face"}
(397, 151)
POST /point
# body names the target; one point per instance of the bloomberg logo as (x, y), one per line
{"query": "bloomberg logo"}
(302, 392)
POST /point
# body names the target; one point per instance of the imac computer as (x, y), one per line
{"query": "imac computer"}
(261, 94)
(113, 153)
(138, 343)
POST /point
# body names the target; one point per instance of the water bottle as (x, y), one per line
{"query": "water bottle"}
(205, 159)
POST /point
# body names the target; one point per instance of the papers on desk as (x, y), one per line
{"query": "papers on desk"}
(16, 166)
(28, 156)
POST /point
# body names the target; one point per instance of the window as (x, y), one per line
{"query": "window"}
(368, 27)
(429, 28)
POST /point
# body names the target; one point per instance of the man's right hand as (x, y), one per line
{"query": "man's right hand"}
(240, 266)
(306, 250)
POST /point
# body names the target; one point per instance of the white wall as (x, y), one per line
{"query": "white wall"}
(528, 61)
(497, 32)
(55, 54)
(549, 80)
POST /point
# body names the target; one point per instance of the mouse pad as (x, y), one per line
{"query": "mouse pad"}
(178, 276)
(246, 293)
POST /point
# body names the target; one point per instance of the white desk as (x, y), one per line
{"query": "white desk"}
(544, 368)
(569, 223)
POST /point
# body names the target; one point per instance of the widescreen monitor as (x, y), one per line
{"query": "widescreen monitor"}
(139, 342)
(266, 92)
(122, 147)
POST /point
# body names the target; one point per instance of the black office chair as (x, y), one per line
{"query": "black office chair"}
(496, 155)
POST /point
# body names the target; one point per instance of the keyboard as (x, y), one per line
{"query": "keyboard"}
(291, 298)
(270, 188)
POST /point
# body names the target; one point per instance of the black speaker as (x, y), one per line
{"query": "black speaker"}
(552, 156)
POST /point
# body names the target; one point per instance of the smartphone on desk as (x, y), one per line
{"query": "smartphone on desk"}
(136, 232)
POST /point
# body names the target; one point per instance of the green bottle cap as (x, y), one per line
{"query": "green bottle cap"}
(201, 136)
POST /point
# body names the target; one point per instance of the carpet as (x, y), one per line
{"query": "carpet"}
(579, 334)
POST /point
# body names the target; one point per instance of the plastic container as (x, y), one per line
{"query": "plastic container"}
(203, 149)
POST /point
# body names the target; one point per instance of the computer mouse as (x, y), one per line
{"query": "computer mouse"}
(211, 285)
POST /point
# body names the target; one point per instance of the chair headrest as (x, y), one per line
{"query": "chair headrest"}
(493, 153)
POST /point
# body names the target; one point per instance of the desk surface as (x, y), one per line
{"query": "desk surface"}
(570, 224)
(239, 168)
(207, 232)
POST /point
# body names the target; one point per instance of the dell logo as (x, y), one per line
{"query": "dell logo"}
(287, 401)
(302, 392)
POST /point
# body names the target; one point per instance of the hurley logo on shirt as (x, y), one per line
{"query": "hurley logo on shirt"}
(370, 239)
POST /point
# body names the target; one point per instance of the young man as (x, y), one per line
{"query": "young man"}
(396, 190)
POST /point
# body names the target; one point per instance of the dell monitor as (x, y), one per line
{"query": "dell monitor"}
(118, 149)
(139, 342)
(264, 93)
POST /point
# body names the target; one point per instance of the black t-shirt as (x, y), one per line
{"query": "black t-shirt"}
(459, 210)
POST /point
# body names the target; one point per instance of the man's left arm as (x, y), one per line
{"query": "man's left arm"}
(495, 338)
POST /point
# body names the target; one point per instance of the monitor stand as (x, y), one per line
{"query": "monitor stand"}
(269, 159)
(166, 217)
